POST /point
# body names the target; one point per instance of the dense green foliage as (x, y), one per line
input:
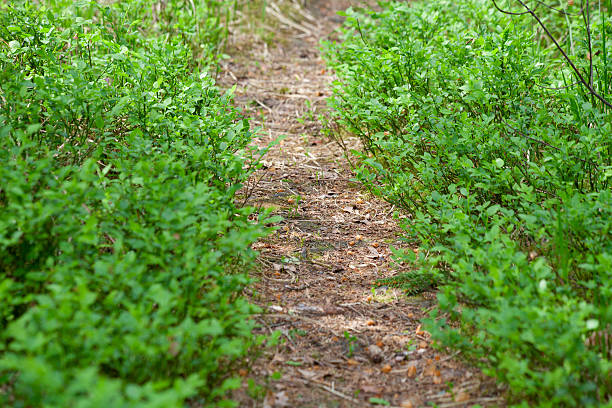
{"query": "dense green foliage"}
(122, 254)
(507, 182)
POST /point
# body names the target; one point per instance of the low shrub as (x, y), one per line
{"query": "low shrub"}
(123, 255)
(506, 181)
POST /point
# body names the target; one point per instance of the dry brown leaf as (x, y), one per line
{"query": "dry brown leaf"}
(371, 388)
(430, 371)
(281, 399)
(306, 373)
(386, 369)
(374, 254)
(412, 371)
(371, 323)
(407, 404)
(462, 397)
(423, 345)
(352, 362)
(437, 380)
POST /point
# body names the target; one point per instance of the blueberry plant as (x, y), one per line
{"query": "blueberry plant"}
(122, 253)
(473, 123)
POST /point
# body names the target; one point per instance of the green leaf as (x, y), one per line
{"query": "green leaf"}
(379, 401)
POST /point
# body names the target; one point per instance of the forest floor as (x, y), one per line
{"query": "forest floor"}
(345, 343)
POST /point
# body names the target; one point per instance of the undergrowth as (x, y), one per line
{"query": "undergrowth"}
(122, 253)
(472, 123)
(411, 282)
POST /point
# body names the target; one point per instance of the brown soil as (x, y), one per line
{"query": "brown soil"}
(343, 343)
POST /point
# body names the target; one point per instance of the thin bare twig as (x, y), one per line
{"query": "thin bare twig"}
(585, 83)
(331, 390)
(587, 21)
(562, 12)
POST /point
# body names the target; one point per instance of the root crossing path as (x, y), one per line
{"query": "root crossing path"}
(344, 344)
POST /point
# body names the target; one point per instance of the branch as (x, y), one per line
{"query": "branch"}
(587, 21)
(509, 12)
(566, 57)
(562, 12)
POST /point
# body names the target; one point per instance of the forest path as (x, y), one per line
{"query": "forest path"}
(345, 345)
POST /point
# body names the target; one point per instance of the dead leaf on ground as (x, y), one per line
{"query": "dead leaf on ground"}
(375, 353)
(281, 399)
(462, 397)
(431, 371)
(412, 371)
(374, 389)
(307, 373)
(407, 404)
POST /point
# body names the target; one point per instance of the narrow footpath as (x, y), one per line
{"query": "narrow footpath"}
(345, 344)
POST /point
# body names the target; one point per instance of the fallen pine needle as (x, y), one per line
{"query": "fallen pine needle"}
(325, 387)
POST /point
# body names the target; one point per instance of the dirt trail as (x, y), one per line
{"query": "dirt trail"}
(344, 344)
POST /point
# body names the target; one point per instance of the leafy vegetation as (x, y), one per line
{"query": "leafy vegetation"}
(411, 282)
(122, 252)
(473, 123)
